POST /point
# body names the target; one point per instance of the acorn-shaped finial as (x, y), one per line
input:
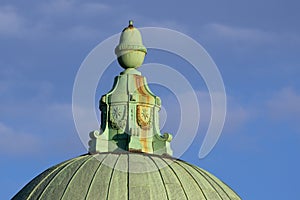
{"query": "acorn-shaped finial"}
(131, 51)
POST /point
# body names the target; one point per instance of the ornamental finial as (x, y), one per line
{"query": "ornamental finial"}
(130, 111)
(131, 51)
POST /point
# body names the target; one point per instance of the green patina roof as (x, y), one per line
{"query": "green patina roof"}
(125, 176)
(130, 124)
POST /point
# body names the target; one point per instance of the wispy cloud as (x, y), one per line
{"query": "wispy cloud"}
(166, 23)
(11, 23)
(246, 35)
(47, 125)
(15, 142)
(40, 115)
(72, 7)
(237, 115)
(285, 105)
(62, 18)
(237, 33)
(96, 8)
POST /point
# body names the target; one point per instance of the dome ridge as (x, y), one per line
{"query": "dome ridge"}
(129, 157)
(116, 175)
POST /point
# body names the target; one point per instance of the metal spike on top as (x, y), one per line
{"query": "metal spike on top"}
(130, 111)
(130, 23)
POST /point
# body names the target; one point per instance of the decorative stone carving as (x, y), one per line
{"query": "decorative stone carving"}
(118, 117)
(129, 111)
(144, 116)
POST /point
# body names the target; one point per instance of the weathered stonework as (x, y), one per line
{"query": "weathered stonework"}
(129, 112)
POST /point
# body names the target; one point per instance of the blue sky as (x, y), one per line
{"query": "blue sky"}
(255, 44)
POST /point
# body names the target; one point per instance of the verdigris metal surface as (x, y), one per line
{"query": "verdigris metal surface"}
(130, 51)
(130, 111)
(125, 176)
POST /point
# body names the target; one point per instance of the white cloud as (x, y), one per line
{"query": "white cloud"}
(237, 115)
(14, 142)
(4, 86)
(285, 105)
(11, 23)
(95, 8)
(50, 124)
(63, 6)
(78, 32)
(59, 112)
(246, 36)
(73, 7)
(15, 24)
(239, 34)
(171, 24)
(62, 18)
(85, 120)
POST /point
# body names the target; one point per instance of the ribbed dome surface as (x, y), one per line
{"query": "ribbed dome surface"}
(125, 176)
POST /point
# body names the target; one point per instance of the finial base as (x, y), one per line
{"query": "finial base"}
(131, 71)
(130, 118)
